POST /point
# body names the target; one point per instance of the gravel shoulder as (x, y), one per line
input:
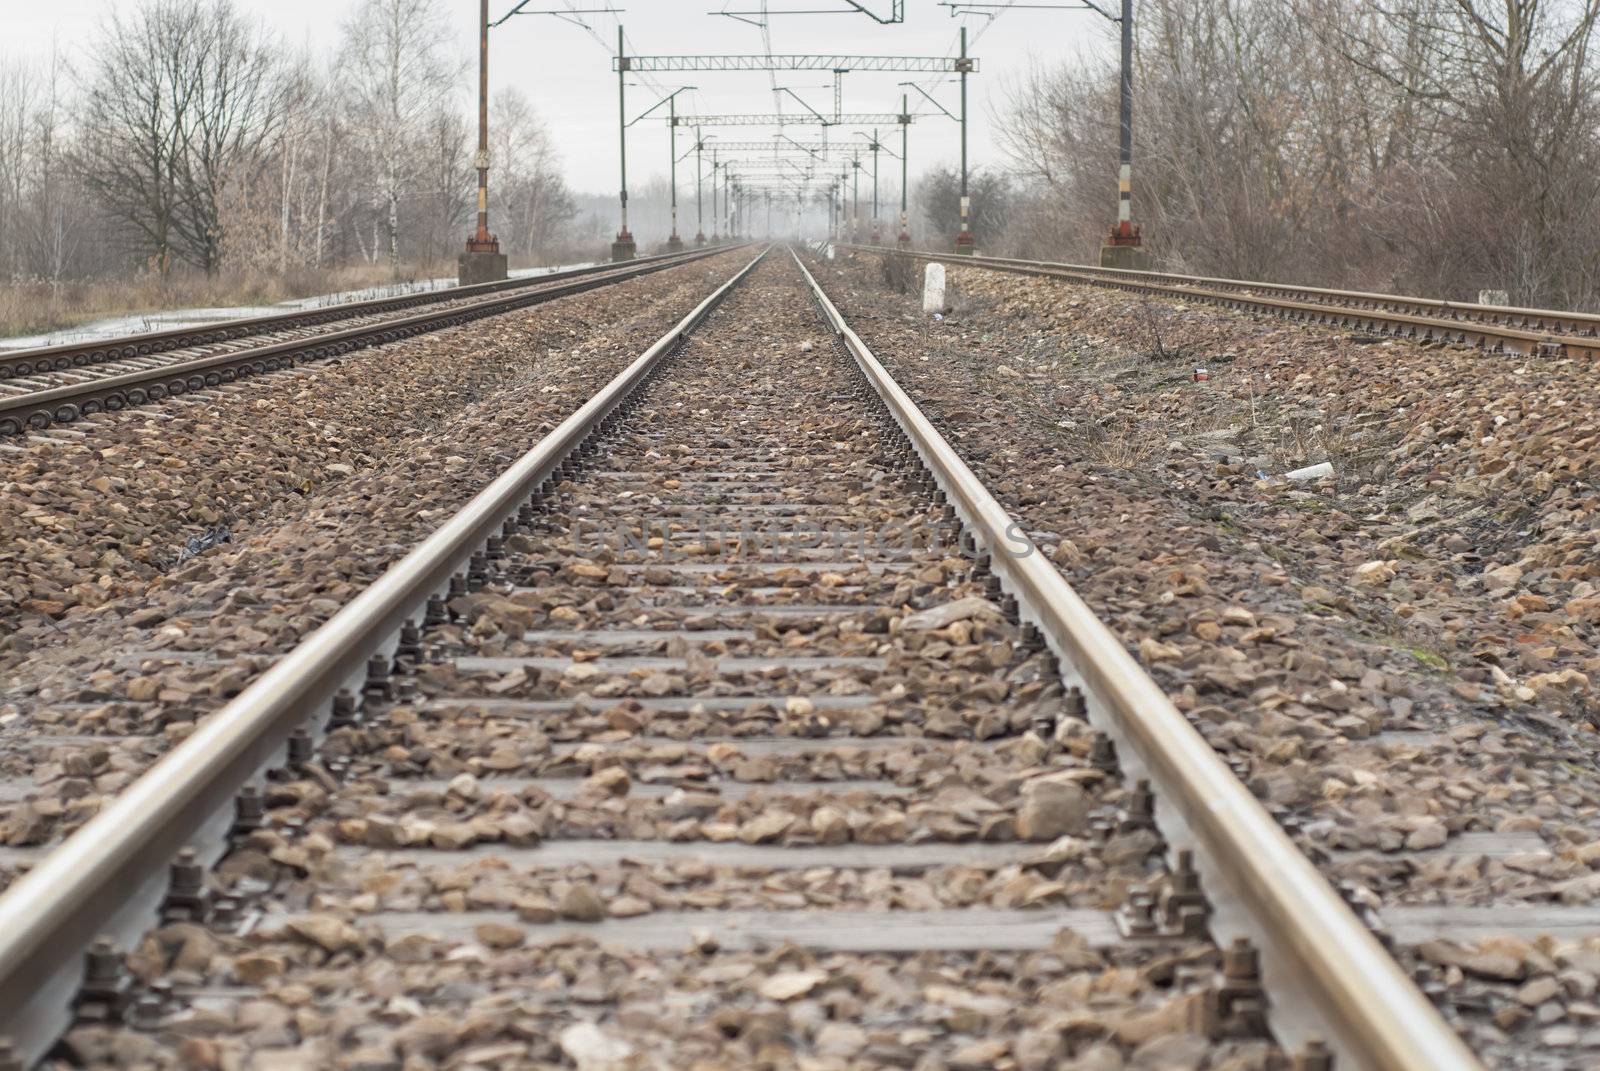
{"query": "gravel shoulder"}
(1396, 658)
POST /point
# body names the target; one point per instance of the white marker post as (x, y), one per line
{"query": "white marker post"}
(933, 289)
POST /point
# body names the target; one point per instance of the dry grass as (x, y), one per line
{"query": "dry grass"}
(900, 273)
(34, 307)
(28, 308)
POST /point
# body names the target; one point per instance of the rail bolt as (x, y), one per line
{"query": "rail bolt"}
(378, 686)
(1140, 812)
(1137, 916)
(107, 986)
(300, 749)
(436, 613)
(1102, 753)
(1242, 1003)
(187, 899)
(344, 710)
(249, 811)
(409, 649)
(1184, 909)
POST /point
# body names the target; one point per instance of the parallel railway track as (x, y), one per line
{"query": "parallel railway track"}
(1491, 327)
(69, 382)
(796, 652)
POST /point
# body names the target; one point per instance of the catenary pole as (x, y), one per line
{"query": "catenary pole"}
(964, 240)
(482, 261)
(905, 155)
(699, 199)
(623, 248)
(876, 235)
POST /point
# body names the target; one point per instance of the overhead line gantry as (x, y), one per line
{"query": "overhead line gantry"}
(793, 62)
(837, 64)
(773, 119)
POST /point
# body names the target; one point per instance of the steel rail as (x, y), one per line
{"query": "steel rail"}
(41, 359)
(1555, 320)
(107, 875)
(1374, 1014)
(1492, 327)
(40, 409)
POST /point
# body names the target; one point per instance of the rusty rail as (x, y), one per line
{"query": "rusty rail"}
(40, 409)
(1546, 332)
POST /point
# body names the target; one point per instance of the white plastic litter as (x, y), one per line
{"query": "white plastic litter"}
(1311, 472)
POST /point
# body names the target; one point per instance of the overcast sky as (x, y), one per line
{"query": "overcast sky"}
(566, 69)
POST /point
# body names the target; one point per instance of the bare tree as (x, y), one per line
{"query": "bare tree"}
(1509, 88)
(181, 98)
(1434, 145)
(938, 197)
(397, 74)
(17, 106)
(536, 205)
(57, 222)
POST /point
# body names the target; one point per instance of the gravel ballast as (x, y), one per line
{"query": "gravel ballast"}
(324, 477)
(673, 722)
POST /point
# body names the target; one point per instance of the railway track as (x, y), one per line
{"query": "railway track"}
(736, 721)
(1546, 332)
(70, 382)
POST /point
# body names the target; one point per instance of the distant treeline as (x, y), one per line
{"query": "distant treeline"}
(1432, 146)
(185, 137)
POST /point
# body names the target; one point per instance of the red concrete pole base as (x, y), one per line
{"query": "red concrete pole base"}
(474, 266)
